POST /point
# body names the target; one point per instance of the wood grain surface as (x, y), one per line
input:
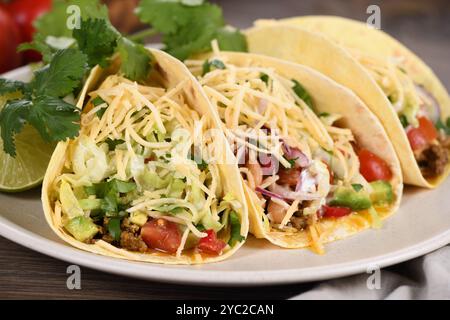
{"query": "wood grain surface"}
(424, 26)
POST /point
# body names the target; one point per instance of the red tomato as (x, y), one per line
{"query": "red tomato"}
(162, 235)
(335, 212)
(210, 244)
(9, 40)
(421, 136)
(24, 13)
(372, 167)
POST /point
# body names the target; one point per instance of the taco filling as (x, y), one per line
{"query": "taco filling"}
(418, 111)
(302, 168)
(134, 177)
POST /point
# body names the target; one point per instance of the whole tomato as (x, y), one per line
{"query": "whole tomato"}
(24, 13)
(9, 40)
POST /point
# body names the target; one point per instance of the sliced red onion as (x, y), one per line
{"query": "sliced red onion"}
(268, 193)
(434, 110)
(269, 164)
(293, 153)
(287, 194)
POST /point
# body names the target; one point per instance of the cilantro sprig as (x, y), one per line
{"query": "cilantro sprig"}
(189, 26)
(41, 104)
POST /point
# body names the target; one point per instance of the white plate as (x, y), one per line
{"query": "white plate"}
(421, 226)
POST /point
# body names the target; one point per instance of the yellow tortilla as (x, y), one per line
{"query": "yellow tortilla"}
(328, 97)
(306, 40)
(172, 72)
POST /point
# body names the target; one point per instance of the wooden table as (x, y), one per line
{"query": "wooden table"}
(422, 25)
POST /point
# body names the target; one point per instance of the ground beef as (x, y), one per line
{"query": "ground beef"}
(130, 238)
(433, 160)
(299, 223)
(132, 242)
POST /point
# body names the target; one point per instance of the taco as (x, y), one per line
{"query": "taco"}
(143, 181)
(316, 163)
(395, 84)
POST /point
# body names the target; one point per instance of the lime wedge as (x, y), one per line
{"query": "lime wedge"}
(27, 169)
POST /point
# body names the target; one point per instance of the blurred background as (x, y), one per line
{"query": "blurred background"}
(423, 25)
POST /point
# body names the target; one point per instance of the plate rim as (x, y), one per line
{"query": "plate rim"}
(195, 276)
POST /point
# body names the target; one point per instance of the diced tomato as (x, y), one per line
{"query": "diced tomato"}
(9, 40)
(421, 136)
(372, 167)
(162, 235)
(335, 212)
(210, 244)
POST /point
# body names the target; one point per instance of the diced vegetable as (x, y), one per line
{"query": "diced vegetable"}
(372, 167)
(139, 218)
(382, 193)
(335, 212)
(235, 233)
(210, 244)
(349, 198)
(69, 203)
(81, 228)
(161, 235)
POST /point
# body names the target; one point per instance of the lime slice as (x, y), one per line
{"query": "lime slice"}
(27, 169)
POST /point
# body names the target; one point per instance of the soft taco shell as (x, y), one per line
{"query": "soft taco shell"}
(319, 42)
(172, 72)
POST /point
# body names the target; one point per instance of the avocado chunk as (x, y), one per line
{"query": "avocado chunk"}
(81, 228)
(349, 198)
(176, 188)
(138, 217)
(382, 192)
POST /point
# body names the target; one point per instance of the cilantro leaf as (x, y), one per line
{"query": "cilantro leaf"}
(10, 86)
(264, 78)
(55, 23)
(357, 187)
(444, 126)
(114, 228)
(301, 92)
(231, 39)
(235, 233)
(208, 65)
(112, 144)
(62, 75)
(55, 119)
(189, 29)
(97, 48)
(135, 59)
(12, 118)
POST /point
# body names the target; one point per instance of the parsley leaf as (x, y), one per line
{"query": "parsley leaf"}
(12, 118)
(62, 75)
(97, 48)
(301, 92)
(235, 234)
(55, 119)
(135, 59)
